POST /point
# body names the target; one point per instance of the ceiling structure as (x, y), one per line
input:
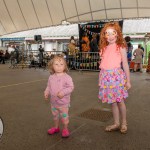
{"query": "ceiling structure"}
(54, 32)
(21, 15)
(136, 28)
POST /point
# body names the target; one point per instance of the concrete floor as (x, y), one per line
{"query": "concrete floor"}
(26, 115)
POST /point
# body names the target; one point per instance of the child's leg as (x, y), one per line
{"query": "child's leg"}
(64, 116)
(65, 121)
(54, 129)
(122, 109)
(115, 112)
(55, 114)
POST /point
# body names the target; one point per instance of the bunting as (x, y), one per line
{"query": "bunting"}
(87, 27)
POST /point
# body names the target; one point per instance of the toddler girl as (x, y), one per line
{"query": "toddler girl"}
(59, 88)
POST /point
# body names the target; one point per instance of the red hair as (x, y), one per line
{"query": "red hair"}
(120, 40)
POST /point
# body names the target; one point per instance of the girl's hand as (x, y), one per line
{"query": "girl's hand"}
(60, 95)
(128, 85)
(45, 96)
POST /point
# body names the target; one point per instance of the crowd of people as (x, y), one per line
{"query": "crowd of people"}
(135, 63)
(135, 56)
(4, 56)
(15, 56)
(138, 53)
(87, 45)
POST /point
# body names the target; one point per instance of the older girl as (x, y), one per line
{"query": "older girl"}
(113, 80)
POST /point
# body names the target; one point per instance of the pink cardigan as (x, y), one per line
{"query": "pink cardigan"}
(57, 84)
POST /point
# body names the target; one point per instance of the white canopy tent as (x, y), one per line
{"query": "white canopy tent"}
(20, 15)
(140, 27)
(60, 32)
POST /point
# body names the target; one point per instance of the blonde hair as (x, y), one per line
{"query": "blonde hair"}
(120, 40)
(58, 57)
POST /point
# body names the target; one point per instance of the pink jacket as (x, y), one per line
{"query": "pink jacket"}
(57, 84)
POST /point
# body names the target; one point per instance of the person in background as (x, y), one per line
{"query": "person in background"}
(113, 80)
(93, 43)
(13, 62)
(7, 55)
(148, 66)
(41, 50)
(32, 59)
(129, 48)
(59, 88)
(72, 46)
(85, 43)
(141, 47)
(138, 53)
(2, 57)
(16, 51)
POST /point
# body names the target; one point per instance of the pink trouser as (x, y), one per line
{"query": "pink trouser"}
(60, 112)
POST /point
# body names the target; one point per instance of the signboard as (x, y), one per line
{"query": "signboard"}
(12, 39)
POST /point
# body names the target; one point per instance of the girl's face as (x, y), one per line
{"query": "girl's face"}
(111, 35)
(59, 66)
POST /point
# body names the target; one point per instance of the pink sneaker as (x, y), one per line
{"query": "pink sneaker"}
(65, 133)
(53, 130)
